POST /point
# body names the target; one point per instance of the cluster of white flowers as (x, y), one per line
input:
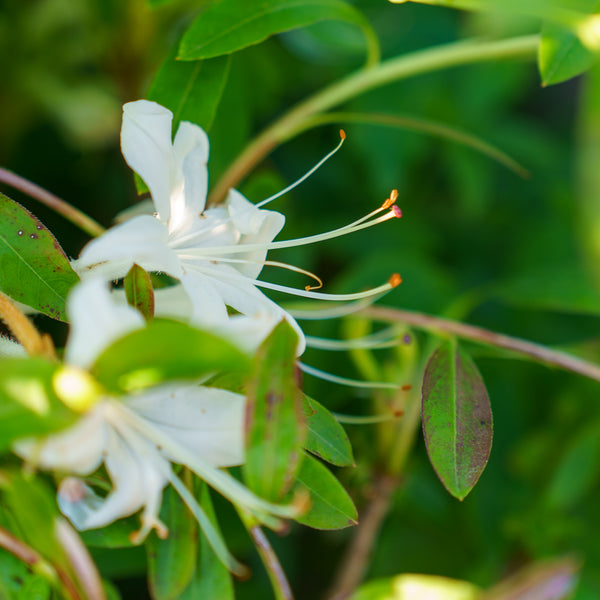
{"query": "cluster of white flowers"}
(216, 255)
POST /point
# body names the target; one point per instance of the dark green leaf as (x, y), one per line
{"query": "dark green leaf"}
(35, 270)
(115, 535)
(231, 25)
(165, 350)
(211, 579)
(192, 91)
(139, 291)
(275, 424)
(331, 506)
(171, 562)
(326, 437)
(457, 419)
(28, 401)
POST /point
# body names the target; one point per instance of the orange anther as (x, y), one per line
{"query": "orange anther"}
(406, 387)
(394, 196)
(395, 280)
(342, 134)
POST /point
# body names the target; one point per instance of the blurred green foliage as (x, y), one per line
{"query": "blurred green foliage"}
(476, 241)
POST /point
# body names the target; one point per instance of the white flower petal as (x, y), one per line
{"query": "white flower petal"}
(77, 501)
(96, 321)
(191, 151)
(146, 146)
(79, 449)
(207, 421)
(208, 307)
(142, 240)
(173, 302)
(257, 226)
(136, 479)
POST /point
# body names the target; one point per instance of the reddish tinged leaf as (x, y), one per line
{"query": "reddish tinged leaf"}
(275, 424)
(457, 419)
(139, 291)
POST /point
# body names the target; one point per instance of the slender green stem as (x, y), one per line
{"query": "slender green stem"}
(394, 69)
(279, 582)
(77, 217)
(536, 352)
(424, 126)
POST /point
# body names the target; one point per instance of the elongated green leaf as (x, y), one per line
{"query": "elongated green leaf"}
(139, 291)
(165, 350)
(192, 91)
(326, 437)
(275, 423)
(35, 588)
(457, 419)
(332, 507)
(28, 402)
(171, 562)
(210, 579)
(231, 25)
(34, 268)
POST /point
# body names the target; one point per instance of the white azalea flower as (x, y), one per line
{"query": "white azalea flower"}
(139, 436)
(217, 253)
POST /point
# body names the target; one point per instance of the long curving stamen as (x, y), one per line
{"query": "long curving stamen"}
(387, 338)
(345, 380)
(268, 263)
(306, 175)
(195, 253)
(393, 281)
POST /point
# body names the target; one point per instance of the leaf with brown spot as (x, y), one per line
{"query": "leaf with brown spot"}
(275, 424)
(457, 419)
(34, 269)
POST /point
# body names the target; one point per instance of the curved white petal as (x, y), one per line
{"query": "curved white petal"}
(173, 302)
(135, 473)
(256, 226)
(146, 146)
(208, 307)
(79, 449)
(191, 152)
(142, 240)
(96, 321)
(249, 332)
(207, 421)
(77, 501)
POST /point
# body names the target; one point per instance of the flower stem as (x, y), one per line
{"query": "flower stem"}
(393, 69)
(77, 217)
(536, 352)
(279, 582)
(22, 328)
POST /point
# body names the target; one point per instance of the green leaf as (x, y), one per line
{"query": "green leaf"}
(114, 535)
(411, 587)
(325, 436)
(332, 507)
(562, 55)
(165, 350)
(35, 588)
(211, 579)
(577, 470)
(35, 270)
(231, 25)
(171, 562)
(29, 405)
(192, 91)
(139, 291)
(457, 419)
(274, 420)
